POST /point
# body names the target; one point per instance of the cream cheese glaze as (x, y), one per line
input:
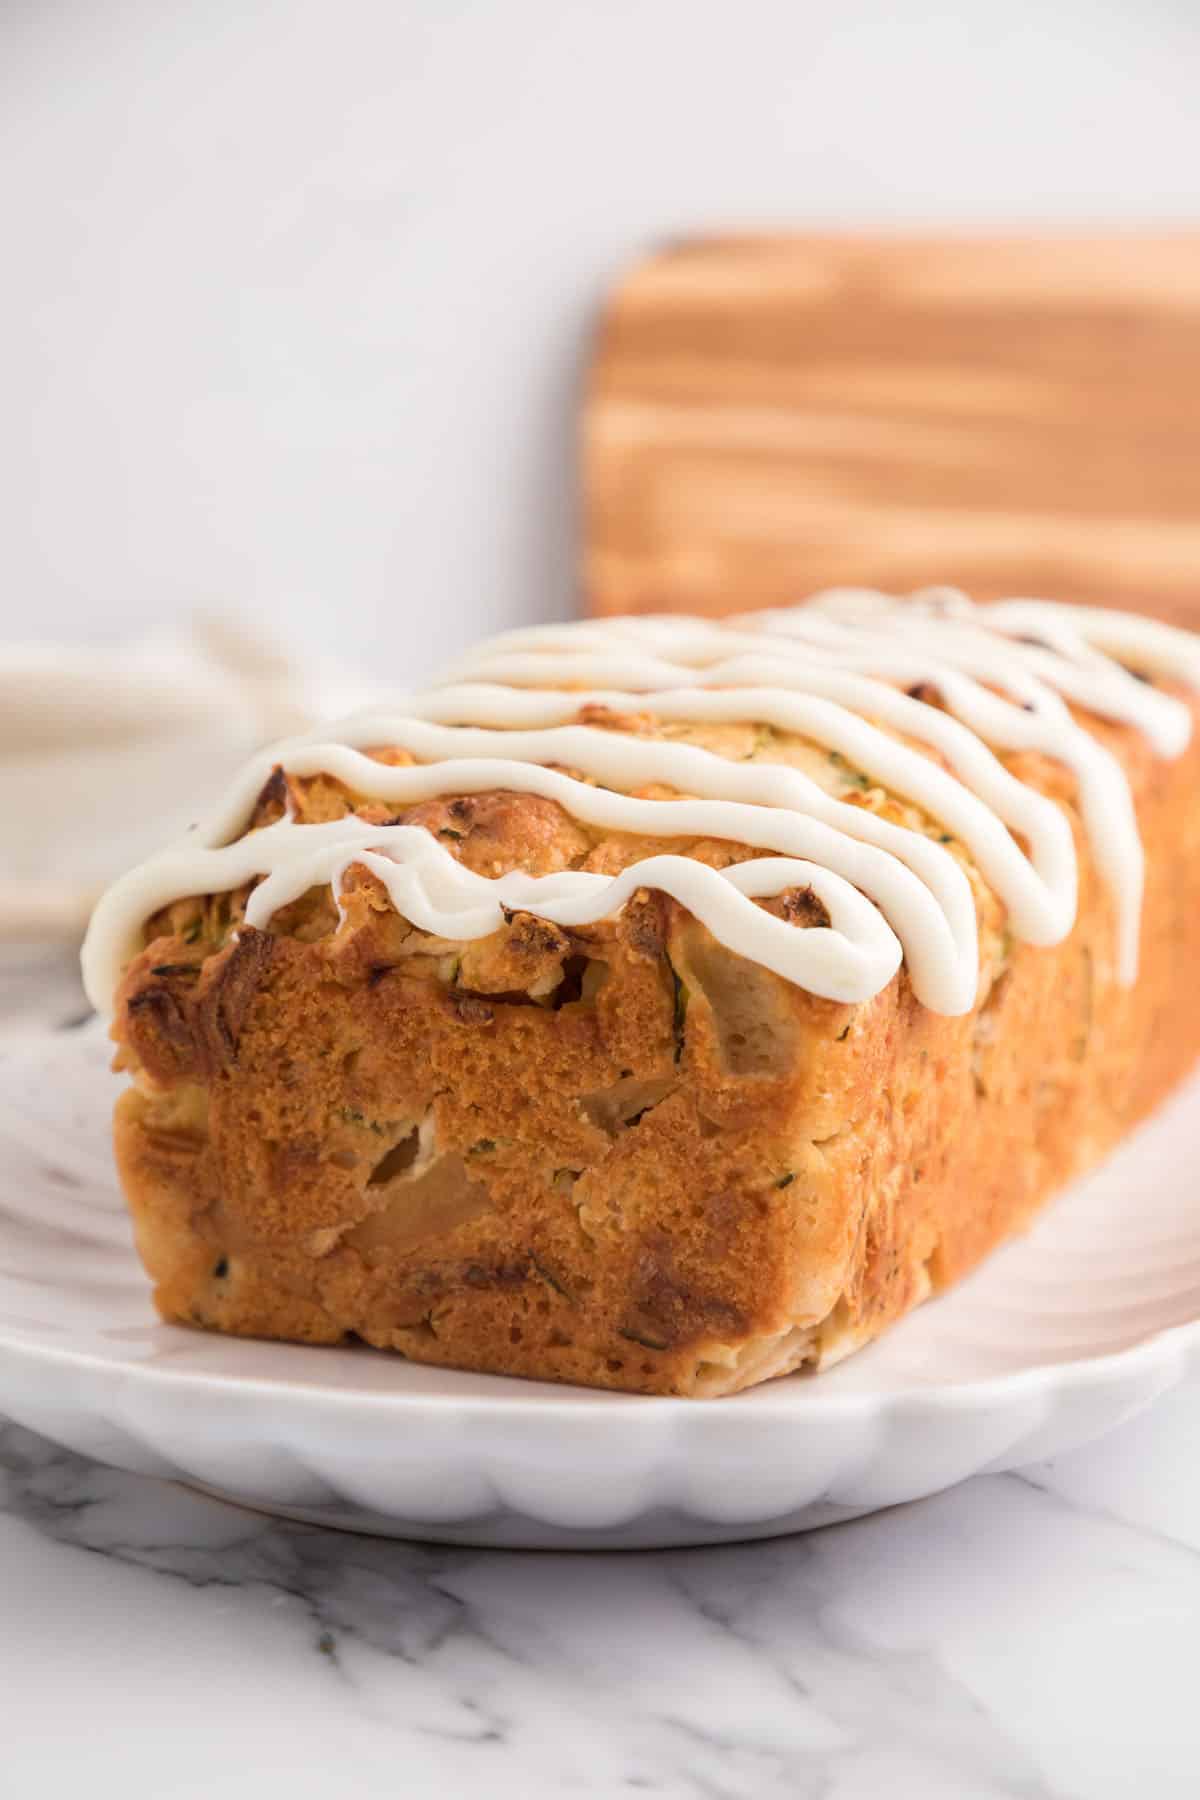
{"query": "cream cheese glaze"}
(833, 671)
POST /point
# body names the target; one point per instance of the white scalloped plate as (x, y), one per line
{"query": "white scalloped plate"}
(1059, 1337)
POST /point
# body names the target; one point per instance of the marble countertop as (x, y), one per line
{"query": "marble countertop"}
(1027, 1635)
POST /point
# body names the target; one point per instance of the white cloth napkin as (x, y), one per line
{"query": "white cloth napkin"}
(105, 755)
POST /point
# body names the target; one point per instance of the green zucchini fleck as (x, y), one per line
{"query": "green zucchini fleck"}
(855, 777)
(646, 1343)
(678, 1012)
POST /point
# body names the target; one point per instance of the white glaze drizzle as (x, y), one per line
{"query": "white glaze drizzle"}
(825, 672)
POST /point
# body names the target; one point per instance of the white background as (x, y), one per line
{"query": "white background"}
(295, 293)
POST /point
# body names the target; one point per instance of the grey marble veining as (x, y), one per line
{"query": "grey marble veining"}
(1028, 1635)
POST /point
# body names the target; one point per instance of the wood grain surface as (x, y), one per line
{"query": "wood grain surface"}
(766, 416)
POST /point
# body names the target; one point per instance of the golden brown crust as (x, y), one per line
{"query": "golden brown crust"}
(619, 1155)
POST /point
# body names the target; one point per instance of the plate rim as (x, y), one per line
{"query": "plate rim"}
(1170, 1343)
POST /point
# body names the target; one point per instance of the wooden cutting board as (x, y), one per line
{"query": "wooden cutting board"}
(766, 416)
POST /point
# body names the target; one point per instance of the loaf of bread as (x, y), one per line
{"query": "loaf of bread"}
(660, 1004)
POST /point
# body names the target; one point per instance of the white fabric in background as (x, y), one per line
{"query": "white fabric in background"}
(105, 755)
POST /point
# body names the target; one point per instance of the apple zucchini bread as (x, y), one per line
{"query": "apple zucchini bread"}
(661, 1004)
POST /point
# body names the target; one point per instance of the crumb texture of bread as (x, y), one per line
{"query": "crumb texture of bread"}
(619, 1153)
